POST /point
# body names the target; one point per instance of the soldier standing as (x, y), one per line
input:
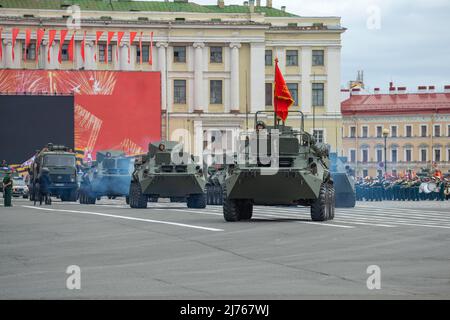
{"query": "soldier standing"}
(7, 189)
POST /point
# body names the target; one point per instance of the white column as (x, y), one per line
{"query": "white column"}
(306, 80)
(3, 60)
(257, 77)
(8, 54)
(123, 57)
(162, 47)
(235, 77)
(198, 77)
(333, 65)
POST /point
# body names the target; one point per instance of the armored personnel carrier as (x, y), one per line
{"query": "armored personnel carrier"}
(298, 174)
(167, 172)
(109, 175)
(344, 182)
(61, 164)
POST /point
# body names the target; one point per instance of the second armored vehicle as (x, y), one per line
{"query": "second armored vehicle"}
(109, 175)
(159, 175)
(344, 183)
(301, 176)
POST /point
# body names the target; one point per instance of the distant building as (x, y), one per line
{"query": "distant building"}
(418, 124)
(216, 61)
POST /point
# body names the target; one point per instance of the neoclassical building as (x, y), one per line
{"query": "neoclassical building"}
(216, 61)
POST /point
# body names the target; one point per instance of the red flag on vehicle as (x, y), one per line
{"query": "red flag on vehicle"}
(282, 96)
(27, 42)
(15, 32)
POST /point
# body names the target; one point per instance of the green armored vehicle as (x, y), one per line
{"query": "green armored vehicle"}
(298, 174)
(109, 175)
(61, 164)
(167, 172)
(344, 183)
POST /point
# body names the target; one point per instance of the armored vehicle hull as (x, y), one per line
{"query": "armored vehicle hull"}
(156, 176)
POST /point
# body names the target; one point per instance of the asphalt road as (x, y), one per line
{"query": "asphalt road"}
(169, 251)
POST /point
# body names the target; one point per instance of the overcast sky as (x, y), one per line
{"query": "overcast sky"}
(409, 43)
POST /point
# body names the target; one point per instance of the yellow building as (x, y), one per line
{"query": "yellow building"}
(216, 61)
(416, 127)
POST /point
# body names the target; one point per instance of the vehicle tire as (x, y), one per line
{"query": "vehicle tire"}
(320, 207)
(137, 199)
(196, 201)
(246, 209)
(231, 212)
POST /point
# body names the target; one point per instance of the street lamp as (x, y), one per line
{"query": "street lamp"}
(386, 133)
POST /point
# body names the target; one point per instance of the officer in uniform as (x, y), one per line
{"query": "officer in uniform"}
(7, 189)
(260, 125)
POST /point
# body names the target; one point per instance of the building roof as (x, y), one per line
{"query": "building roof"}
(395, 104)
(149, 6)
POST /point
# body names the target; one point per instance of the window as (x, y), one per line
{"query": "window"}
(145, 53)
(216, 55)
(379, 131)
(353, 156)
(318, 135)
(423, 131)
(394, 155)
(269, 92)
(179, 54)
(408, 155)
(269, 57)
(352, 132)
(437, 130)
(291, 58)
(317, 57)
(179, 91)
(379, 155)
(30, 52)
(423, 155)
(318, 94)
(365, 173)
(437, 155)
(102, 53)
(216, 92)
(365, 155)
(293, 88)
(365, 131)
(65, 53)
(408, 132)
(394, 131)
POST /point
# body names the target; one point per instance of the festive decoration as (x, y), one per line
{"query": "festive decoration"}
(15, 32)
(108, 41)
(71, 46)
(62, 38)
(1, 50)
(132, 36)
(40, 36)
(83, 43)
(51, 38)
(119, 40)
(27, 43)
(282, 97)
(150, 55)
(98, 35)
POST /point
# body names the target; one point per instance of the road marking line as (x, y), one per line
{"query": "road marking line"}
(129, 218)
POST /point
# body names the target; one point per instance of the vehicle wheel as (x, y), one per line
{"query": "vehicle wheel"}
(137, 199)
(320, 207)
(236, 210)
(196, 201)
(246, 209)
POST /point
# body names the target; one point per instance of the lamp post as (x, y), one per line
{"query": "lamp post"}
(386, 133)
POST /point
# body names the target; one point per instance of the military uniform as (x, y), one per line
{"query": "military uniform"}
(7, 190)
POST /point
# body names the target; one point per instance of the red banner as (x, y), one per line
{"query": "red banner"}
(1, 45)
(112, 109)
(108, 41)
(71, 46)
(97, 37)
(51, 38)
(132, 36)
(150, 55)
(62, 38)
(119, 40)
(27, 43)
(282, 97)
(15, 32)
(83, 43)
(39, 36)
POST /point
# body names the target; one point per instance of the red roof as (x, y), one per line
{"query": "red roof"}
(385, 104)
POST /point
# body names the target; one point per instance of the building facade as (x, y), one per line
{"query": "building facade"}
(418, 125)
(216, 61)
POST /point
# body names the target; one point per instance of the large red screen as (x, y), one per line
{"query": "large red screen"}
(113, 109)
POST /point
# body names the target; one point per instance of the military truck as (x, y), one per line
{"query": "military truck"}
(166, 171)
(299, 175)
(344, 182)
(61, 163)
(109, 175)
